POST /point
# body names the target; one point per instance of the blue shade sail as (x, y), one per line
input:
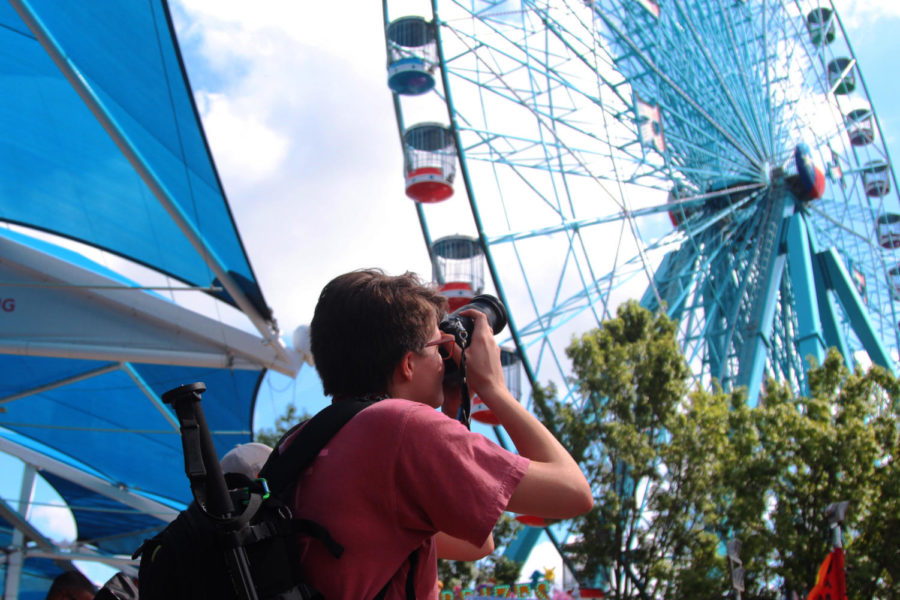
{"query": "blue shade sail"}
(61, 171)
(100, 142)
(37, 574)
(102, 522)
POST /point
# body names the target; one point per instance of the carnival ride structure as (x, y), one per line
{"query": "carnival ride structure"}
(721, 160)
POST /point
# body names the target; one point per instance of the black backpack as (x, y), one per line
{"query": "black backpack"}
(118, 587)
(189, 559)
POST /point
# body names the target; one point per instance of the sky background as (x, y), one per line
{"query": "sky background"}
(295, 105)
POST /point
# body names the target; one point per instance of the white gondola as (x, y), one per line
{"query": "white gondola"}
(458, 262)
(888, 230)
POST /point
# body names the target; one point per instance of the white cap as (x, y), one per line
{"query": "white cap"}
(303, 344)
(246, 459)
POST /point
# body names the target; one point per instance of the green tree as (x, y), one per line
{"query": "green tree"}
(838, 443)
(493, 569)
(291, 417)
(654, 453)
(677, 472)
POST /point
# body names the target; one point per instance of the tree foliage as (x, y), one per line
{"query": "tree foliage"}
(677, 471)
(839, 442)
(291, 417)
(495, 569)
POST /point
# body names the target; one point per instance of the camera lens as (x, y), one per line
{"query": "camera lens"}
(461, 327)
(492, 308)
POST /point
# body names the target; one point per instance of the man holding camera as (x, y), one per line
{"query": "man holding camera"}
(402, 484)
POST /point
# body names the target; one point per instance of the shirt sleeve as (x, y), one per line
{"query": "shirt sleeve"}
(450, 479)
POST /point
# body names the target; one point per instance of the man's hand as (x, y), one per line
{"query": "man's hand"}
(484, 371)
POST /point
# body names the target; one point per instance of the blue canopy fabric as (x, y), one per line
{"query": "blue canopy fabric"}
(104, 523)
(114, 157)
(38, 573)
(102, 412)
(60, 169)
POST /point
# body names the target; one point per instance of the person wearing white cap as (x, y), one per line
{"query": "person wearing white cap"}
(246, 459)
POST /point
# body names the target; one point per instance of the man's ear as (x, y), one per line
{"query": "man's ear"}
(403, 372)
(401, 377)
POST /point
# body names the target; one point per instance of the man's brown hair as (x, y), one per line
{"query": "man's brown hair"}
(71, 585)
(364, 322)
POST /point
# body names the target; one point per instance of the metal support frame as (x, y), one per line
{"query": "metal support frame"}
(205, 342)
(839, 280)
(91, 481)
(46, 548)
(80, 84)
(19, 539)
(810, 340)
(756, 346)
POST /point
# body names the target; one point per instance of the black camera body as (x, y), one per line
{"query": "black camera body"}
(461, 327)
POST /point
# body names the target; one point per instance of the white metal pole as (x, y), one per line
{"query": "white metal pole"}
(17, 555)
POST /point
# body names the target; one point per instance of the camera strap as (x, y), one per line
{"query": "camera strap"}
(465, 405)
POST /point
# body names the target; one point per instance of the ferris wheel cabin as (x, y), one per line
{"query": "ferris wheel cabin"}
(841, 78)
(412, 55)
(894, 276)
(430, 162)
(860, 125)
(457, 263)
(679, 213)
(511, 373)
(820, 25)
(888, 229)
(876, 179)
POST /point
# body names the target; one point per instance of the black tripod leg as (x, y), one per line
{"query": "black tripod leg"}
(201, 463)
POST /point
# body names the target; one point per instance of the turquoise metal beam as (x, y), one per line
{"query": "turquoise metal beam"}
(839, 280)
(809, 339)
(834, 336)
(755, 349)
(519, 549)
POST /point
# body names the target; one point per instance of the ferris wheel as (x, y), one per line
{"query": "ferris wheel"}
(718, 158)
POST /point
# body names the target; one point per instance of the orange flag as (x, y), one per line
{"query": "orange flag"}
(830, 582)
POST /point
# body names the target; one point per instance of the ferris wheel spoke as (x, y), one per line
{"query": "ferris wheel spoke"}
(690, 152)
(578, 224)
(563, 311)
(750, 138)
(546, 122)
(740, 52)
(678, 90)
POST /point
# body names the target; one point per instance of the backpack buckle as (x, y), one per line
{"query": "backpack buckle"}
(264, 485)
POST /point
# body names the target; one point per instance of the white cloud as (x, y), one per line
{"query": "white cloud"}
(858, 13)
(245, 144)
(299, 117)
(55, 522)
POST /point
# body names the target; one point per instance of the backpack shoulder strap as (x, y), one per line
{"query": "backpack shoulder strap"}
(282, 468)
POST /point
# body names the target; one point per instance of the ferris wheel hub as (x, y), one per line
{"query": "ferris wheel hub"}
(811, 177)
